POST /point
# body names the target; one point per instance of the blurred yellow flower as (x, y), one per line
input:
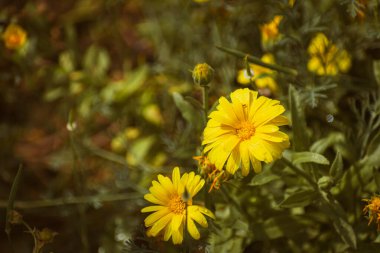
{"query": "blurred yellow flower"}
(245, 131)
(326, 58)
(261, 76)
(373, 210)
(14, 36)
(174, 206)
(152, 113)
(201, 1)
(270, 32)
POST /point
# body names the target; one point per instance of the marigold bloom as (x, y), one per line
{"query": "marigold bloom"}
(14, 36)
(373, 210)
(174, 207)
(326, 58)
(245, 131)
(270, 32)
(261, 76)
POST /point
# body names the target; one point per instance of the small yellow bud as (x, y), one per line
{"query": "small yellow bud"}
(14, 36)
(15, 217)
(203, 74)
(45, 235)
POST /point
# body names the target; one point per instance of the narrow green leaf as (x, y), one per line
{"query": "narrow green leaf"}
(336, 169)
(321, 145)
(345, 231)
(263, 178)
(309, 157)
(300, 137)
(12, 197)
(257, 61)
(187, 110)
(299, 199)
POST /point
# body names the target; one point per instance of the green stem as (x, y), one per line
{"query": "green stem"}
(257, 61)
(71, 201)
(205, 102)
(300, 172)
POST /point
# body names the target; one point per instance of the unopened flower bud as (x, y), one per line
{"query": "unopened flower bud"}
(15, 217)
(325, 183)
(203, 74)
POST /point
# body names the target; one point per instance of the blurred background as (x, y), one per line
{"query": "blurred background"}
(97, 98)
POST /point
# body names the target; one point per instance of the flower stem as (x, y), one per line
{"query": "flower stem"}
(205, 102)
(257, 61)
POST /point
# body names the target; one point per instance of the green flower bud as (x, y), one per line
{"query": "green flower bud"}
(325, 182)
(203, 74)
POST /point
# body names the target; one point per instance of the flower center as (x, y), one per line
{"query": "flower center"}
(245, 130)
(176, 205)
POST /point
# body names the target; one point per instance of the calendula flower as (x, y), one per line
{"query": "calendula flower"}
(326, 58)
(270, 32)
(245, 132)
(373, 210)
(14, 36)
(173, 199)
(264, 78)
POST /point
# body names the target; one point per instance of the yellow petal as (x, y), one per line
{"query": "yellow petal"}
(152, 209)
(244, 158)
(176, 221)
(267, 129)
(176, 177)
(161, 223)
(149, 197)
(196, 215)
(177, 236)
(193, 231)
(233, 162)
(152, 218)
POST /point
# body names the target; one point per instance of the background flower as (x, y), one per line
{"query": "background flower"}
(326, 58)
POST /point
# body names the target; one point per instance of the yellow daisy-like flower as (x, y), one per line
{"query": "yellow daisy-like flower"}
(326, 58)
(261, 76)
(14, 36)
(174, 209)
(245, 132)
(270, 32)
(373, 210)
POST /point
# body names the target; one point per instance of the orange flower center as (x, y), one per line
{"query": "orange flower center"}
(245, 130)
(176, 205)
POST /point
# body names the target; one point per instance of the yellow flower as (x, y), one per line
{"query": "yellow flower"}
(373, 210)
(244, 132)
(326, 58)
(14, 36)
(270, 32)
(262, 77)
(174, 206)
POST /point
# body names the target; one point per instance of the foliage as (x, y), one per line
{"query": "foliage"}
(98, 99)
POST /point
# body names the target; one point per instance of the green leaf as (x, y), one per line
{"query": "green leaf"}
(96, 61)
(12, 197)
(331, 207)
(299, 199)
(300, 137)
(321, 145)
(309, 157)
(187, 110)
(336, 169)
(374, 158)
(345, 231)
(284, 226)
(263, 178)
(119, 91)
